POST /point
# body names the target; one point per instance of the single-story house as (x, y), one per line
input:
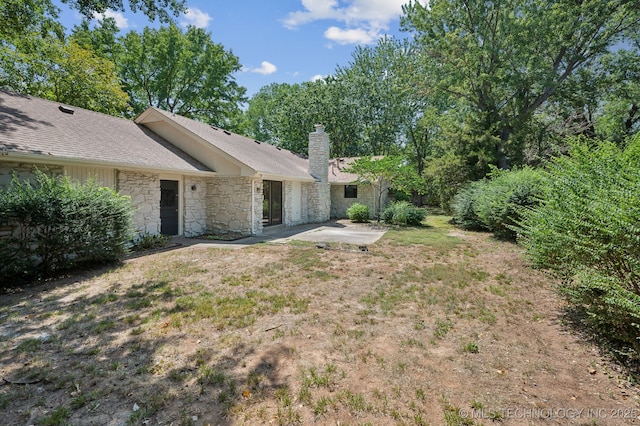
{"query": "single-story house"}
(184, 177)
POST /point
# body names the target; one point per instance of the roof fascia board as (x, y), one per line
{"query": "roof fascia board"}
(57, 161)
(268, 176)
(151, 113)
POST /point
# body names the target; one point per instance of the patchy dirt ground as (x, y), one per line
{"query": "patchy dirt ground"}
(429, 326)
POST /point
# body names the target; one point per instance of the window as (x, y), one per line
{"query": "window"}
(351, 191)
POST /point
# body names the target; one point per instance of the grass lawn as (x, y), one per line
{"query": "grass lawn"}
(432, 325)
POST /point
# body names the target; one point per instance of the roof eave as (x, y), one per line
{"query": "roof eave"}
(150, 112)
(71, 161)
(271, 176)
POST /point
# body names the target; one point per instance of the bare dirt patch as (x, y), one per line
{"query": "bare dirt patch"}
(423, 328)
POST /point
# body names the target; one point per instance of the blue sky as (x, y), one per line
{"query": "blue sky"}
(281, 41)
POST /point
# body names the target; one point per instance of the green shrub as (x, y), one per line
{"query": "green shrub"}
(463, 207)
(358, 213)
(587, 229)
(57, 224)
(500, 200)
(494, 204)
(403, 213)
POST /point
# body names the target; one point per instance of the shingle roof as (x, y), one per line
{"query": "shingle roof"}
(337, 166)
(30, 125)
(259, 156)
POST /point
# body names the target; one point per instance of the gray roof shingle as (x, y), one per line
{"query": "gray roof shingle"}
(30, 125)
(261, 157)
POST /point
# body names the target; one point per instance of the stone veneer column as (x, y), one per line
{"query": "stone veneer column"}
(319, 198)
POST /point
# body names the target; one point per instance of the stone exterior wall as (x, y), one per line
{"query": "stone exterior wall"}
(258, 198)
(230, 202)
(339, 204)
(293, 203)
(25, 171)
(144, 190)
(319, 198)
(195, 206)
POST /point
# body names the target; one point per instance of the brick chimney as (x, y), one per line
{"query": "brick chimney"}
(319, 205)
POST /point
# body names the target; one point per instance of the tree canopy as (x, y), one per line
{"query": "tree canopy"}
(185, 73)
(507, 58)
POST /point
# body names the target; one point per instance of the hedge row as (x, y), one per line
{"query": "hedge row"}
(56, 224)
(587, 229)
(579, 217)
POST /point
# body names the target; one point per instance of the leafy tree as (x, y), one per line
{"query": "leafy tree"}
(384, 173)
(18, 18)
(507, 58)
(154, 9)
(621, 82)
(185, 73)
(375, 95)
(85, 80)
(64, 72)
(102, 39)
(283, 114)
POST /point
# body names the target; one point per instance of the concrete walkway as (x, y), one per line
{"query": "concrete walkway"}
(340, 231)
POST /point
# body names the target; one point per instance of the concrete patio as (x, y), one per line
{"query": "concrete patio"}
(335, 231)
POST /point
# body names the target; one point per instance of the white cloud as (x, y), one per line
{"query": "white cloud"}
(266, 68)
(351, 36)
(121, 21)
(195, 17)
(363, 21)
(318, 77)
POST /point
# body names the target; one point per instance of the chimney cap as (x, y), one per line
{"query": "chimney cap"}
(319, 128)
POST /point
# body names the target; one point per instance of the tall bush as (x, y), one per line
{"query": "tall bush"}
(463, 206)
(495, 204)
(500, 200)
(587, 229)
(57, 224)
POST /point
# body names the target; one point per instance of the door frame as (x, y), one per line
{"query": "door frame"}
(180, 181)
(269, 221)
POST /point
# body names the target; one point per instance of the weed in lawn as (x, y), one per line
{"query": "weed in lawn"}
(131, 319)
(412, 343)
(477, 405)
(322, 405)
(29, 346)
(355, 402)
(453, 416)
(211, 376)
(470, 347)
(57, 417)
(497, 290)
(102, 326)
(233, 281)
(503, 278)
(442, 327)
(104, 299)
